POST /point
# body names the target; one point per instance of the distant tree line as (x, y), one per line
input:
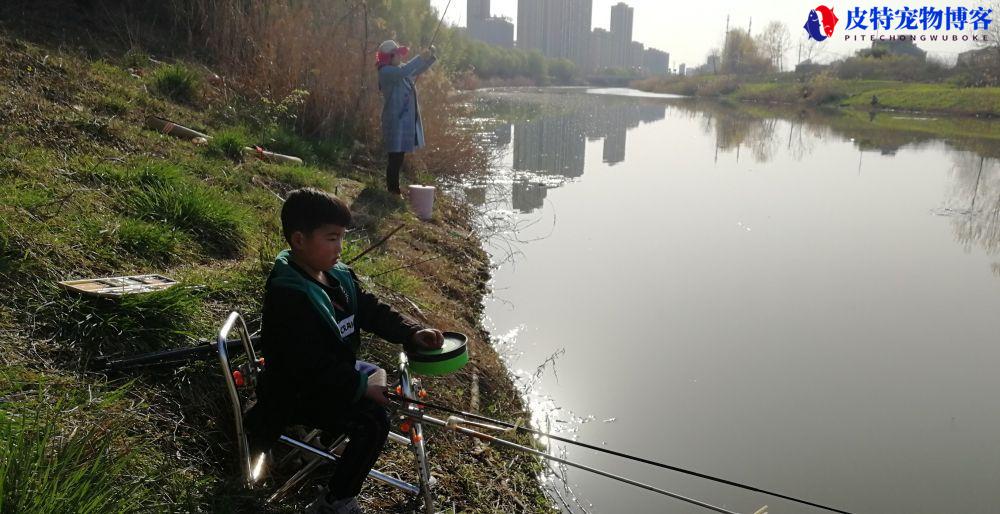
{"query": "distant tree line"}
(462, 54)
(741, 54)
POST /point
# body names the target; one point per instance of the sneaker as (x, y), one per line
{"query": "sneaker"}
(323, 505)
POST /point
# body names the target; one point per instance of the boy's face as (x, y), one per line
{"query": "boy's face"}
(319, 249)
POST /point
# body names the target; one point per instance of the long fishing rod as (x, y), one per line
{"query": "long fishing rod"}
(375, 245)
(434, 37)
(611, 452)
(452, 424)
(175, 356)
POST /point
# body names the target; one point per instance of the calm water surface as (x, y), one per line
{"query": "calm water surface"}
(804, 303)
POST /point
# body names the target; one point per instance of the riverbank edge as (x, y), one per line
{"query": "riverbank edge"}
(824, 91)
(63, 99)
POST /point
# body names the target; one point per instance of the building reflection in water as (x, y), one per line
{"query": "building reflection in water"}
(554, 147)
(551, 148)
(527, 196)
(502, 134)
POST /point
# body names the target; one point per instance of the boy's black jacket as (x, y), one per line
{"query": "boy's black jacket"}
(307, 367)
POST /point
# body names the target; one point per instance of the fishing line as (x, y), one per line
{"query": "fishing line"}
(612, 452)
(454, 424)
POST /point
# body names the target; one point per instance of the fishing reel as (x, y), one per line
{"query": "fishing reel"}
(245, 375)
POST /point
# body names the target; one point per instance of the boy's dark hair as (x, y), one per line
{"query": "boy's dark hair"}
(308, 208)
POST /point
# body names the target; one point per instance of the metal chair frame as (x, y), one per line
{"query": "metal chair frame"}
(252, 466)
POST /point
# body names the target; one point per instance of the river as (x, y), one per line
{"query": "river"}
(800, 301)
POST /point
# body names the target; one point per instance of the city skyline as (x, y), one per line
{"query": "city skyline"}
(688, 31)
(562, 29)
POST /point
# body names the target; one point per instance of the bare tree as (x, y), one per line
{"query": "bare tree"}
(808, 48)
(742, 55)
(774, 42)
(992, 33)
(983, 65)
(712, 61)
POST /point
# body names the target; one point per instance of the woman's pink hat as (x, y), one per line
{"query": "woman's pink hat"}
(386, 50)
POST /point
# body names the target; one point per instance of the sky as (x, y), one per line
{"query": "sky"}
(689, 29)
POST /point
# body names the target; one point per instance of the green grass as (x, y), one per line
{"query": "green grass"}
(204, 213)
(228, 144)
(177, 82)
(298, 176)
(285, 141)
(113, 104)
(940, 98)
(164, 194)
(936, 98)
(155, 241)
(313, 151)
(86, 325)
(72, 453)
(136, 58)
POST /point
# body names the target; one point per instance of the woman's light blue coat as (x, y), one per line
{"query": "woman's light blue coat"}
(402, 130)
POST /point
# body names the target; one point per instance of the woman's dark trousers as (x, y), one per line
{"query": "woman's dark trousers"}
(392, 171)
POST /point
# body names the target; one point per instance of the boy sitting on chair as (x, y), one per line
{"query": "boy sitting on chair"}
(314, 307)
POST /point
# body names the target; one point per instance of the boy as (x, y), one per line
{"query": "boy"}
(313, 309)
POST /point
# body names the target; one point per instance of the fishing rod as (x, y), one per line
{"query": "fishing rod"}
(512, 426)
(204, 350)
(434, 37)
(453, 423)
(376, 245)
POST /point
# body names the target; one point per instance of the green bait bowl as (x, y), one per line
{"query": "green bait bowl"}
(451, 357)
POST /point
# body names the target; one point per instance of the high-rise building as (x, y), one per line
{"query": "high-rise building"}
(493, 30)
(577, 41)
(621, 34)
(600, 49)
(556, 28)
(635, 51)
(655, 62)
(530, 19)
(477, 10)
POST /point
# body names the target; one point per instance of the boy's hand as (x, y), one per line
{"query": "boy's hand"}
(428, 339)
(377, 394)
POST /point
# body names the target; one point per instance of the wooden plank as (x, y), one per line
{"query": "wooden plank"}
(112, 287)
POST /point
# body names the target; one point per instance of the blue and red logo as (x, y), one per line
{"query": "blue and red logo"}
(821, 22)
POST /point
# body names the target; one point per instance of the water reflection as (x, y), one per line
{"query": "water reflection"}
(975, 203)
(550, 148)
(548, 145)
(736, 130)
(850, 332)
(528, 196)
(556, 145)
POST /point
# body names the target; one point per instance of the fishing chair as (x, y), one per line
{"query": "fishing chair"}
(240, 381)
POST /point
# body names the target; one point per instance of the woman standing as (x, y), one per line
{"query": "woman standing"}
(402, 130)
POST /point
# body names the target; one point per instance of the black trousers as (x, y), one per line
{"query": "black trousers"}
(367, 426)
(392, 171)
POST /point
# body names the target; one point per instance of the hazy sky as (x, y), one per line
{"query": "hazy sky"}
(688, 29)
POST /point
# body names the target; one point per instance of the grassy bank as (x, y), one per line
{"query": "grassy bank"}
(86, 191)
(823, 90)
